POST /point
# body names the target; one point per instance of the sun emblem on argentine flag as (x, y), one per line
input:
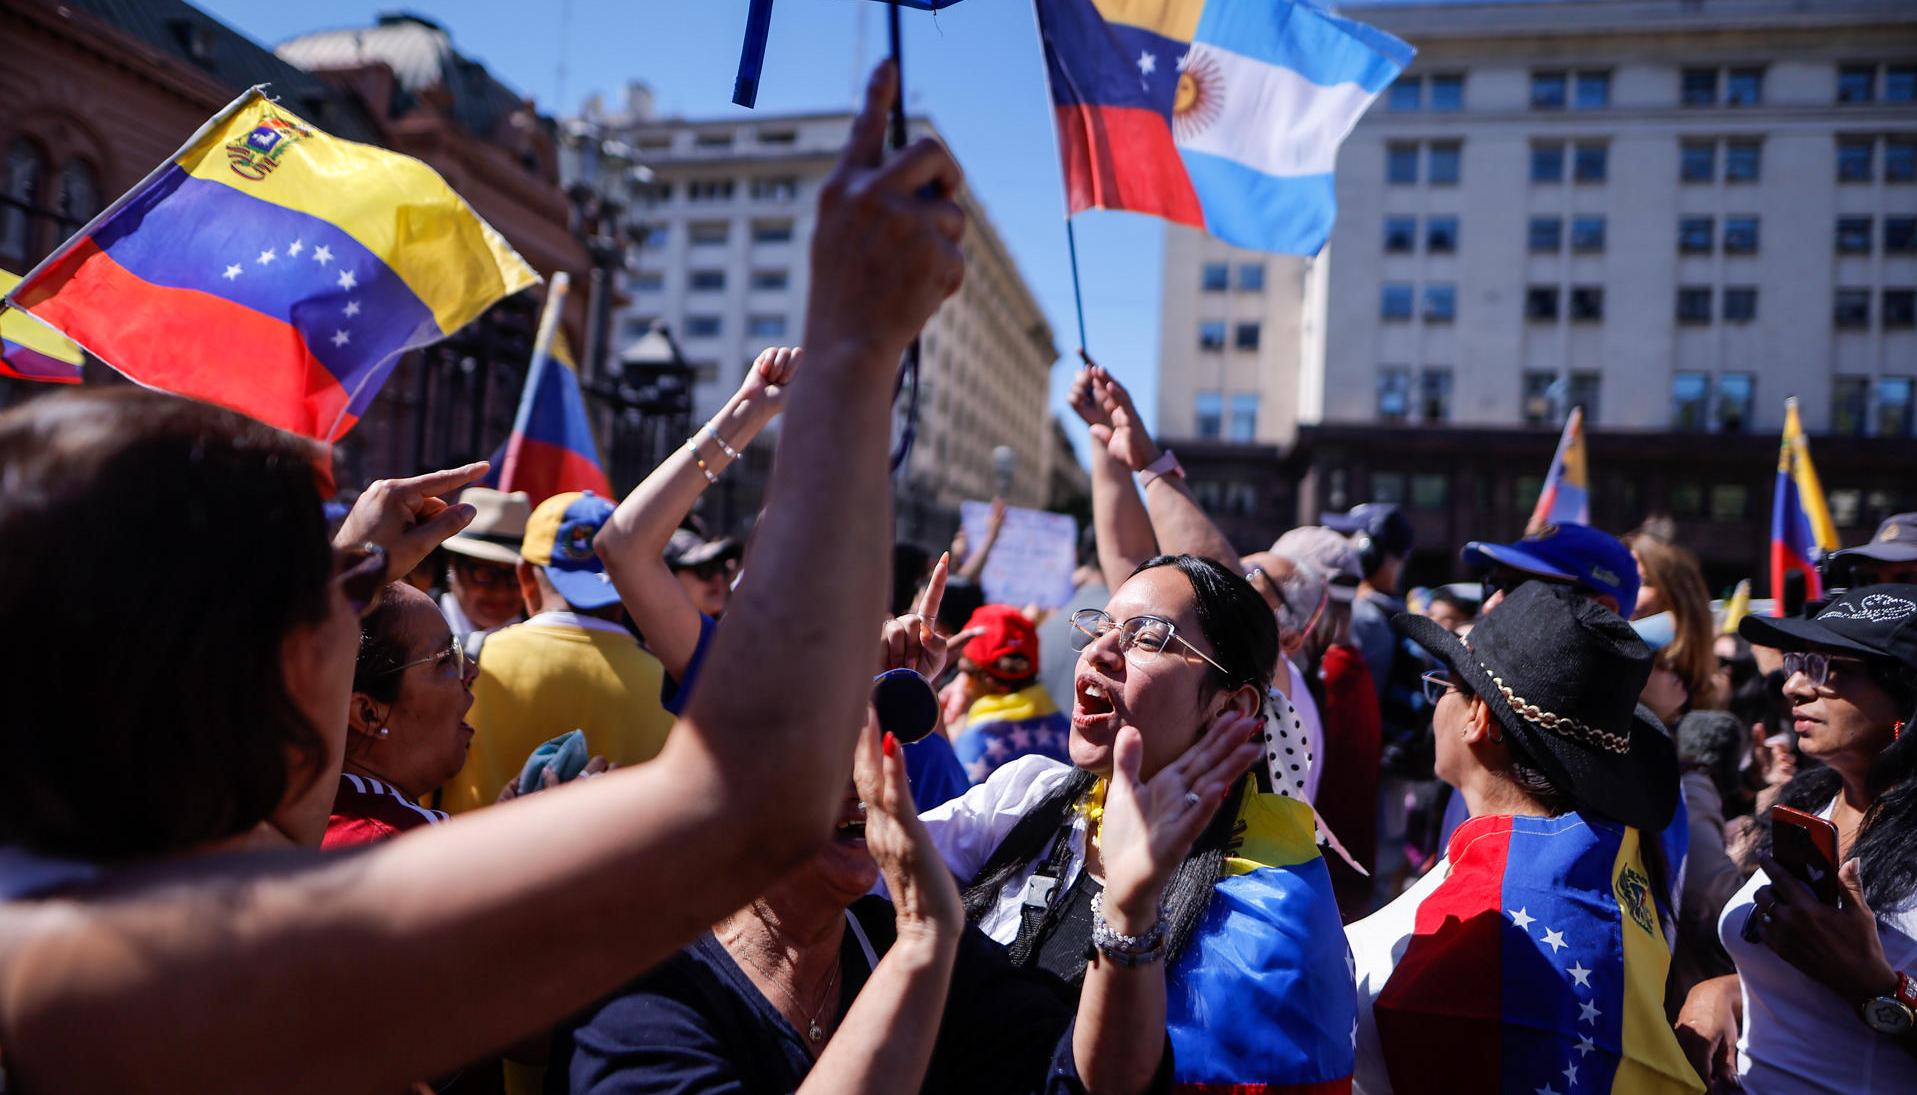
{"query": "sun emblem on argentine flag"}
(1201, 94)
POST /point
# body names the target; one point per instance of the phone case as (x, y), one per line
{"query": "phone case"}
(1806, 846)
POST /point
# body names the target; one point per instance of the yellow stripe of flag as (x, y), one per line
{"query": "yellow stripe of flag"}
(19, 327)
(1652, 1061)
(1810, 492)
(1175, 19)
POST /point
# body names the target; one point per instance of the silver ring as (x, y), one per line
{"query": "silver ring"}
(1192, 799)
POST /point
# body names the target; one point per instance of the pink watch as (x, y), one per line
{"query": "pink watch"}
(1166, 464)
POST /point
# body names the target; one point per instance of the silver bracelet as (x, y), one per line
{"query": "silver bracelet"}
(1129, 951)
(730, 452)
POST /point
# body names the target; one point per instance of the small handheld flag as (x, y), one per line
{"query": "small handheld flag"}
(1736, 608)
(1566, 497)
(551, 450)
(274, 269)
(1801, 528)
(32, 351)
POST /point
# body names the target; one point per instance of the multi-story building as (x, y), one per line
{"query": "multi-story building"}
(725, 215)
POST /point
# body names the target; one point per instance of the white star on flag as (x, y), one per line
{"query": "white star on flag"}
(347, 280)
(352, 308)
(295, 247)
(322, 254)
(1584, 1046)
(1522, 919)
(1183, 60)
(1554, 940)
(232, 272)
(1147, 63)
(341, 338)
(266, 256)
(1588, 1013)
(1581, 975)
(1570, 1074)
(1547, 1089)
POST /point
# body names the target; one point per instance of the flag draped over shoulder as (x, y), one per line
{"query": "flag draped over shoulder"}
(551, 450)
(30, 351)
(1566, 497)
(274, 269)
(1801, 528)
(1262, 998)
(1537, 964)
(1220, 114)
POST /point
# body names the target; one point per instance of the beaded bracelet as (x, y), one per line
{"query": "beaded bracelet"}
(1129, 951)
(692, 450)
(730, 452)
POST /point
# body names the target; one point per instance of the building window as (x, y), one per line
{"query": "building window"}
(1211, 335)
(1852, 308)
(778, 136)
(1729, 502)
(1400, 235)
(1591, 162)
(1740, 235)
(1395, 302)
(1401, 164)
(1740, 303)
(1243, 426)
(1546, 235)
(1732, 408)
(1406, 94)
(1541, 303)
(1251, 277)
(1690, 395)
(1900, 235)
(1697, 161)
(647, 281)
(1900, 83)
(1428, 490)
(709, 232)
(1445, 168)
(1593, 91)
(24, 168)
(1696, 235)
(657, 237)
(1894, 406)
(1743, 86)
(1853, 235)
(765, 326)
(1900, 160)
(713, 138)
(1209, 415)
(1245, 336)
(1699, 87)
(770, 279)
(1441, 303)
(1394, 393)
(703, 326)
(706, 280)
(1694, 304)
(1899, 308)
(76, 196)
(1547, 90)
(1441, 235)
(1388, 487)
(772, 232)
(1849, 405)
(1434, 395)
(1743, 161)
(1587, 235)
(1587, 303)
(709, 190)
(1687, 499)
(1856, 83)
(1584, 393)
(782, 188)
(1547, 163)
(1216, 277)
(1540, 404)
(1854, 159)
(1447, 93)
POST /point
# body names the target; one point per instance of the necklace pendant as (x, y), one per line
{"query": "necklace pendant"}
(813, 1032)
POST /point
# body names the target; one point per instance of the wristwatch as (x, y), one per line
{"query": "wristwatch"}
(1896, 1013)
(1166, 464)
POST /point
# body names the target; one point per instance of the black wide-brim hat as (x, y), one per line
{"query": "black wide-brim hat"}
(1561, 674)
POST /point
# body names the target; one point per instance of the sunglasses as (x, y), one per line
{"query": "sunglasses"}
(453, 653)
(481, 575)
(1150, 635)
(360, 571)
(1436, 684)
(1815, 665)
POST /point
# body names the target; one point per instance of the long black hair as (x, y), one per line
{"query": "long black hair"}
(1886, 844)
(1243, 635)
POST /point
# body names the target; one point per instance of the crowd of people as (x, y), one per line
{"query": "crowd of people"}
(593, 801)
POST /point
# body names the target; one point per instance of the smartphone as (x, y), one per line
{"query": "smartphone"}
(1806, 846)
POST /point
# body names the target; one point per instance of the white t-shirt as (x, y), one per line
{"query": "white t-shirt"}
(1799, 1036)
(1314, 728)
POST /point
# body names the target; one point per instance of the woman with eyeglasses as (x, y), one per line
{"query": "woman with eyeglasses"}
(1824, 994)
(1257, 986)
(406, 729)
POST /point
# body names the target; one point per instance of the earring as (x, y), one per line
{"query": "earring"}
(383, 732)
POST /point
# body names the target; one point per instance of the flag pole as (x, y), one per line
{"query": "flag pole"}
(1071, 237)
(909, 364)
(541, 357)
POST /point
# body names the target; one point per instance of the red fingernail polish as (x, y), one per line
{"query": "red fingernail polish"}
(890, 745)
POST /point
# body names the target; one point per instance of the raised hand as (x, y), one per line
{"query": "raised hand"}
(1123, 434)
(922, 889)
(912, 641)
(1084, 402)
(1149, 826)
(407, 517)
(765, 382)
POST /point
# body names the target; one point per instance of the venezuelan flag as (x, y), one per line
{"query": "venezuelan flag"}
(29, 351)
(1001, 728)
(1221, 114)
(1536, 964)
(1800, 521)
(551, 450)
(1262, 998)
(1566, 497)
(274, 269)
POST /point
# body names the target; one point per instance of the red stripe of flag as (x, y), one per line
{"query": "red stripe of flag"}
(543, 470)
(1124, 158)
(25, 363)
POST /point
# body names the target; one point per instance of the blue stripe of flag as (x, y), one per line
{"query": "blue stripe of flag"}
(1247, 208)
(1312, 42)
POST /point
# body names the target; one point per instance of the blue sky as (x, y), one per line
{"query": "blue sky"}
(975, 69)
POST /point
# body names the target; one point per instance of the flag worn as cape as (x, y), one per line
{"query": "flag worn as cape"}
(274, 269)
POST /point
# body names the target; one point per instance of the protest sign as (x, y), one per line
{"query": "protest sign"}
(1032, 562)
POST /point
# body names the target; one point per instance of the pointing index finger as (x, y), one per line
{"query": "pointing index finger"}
(928, 607)
(866, 146)
(435, 483)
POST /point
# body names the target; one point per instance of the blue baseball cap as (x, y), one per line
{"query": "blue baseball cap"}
(1594, 561)
(559, 542)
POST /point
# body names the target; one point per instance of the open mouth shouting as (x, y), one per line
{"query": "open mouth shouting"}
(1094, 708)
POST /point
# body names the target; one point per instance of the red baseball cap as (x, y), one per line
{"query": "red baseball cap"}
(1004, 634)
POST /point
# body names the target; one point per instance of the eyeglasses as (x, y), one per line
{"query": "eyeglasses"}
(453, 652)
(1151, 634)
(1815, 665)
(1436, 684)
(360, 571)
(483, 575)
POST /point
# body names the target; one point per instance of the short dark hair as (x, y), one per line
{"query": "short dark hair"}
(376, 669)
(170, 544)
